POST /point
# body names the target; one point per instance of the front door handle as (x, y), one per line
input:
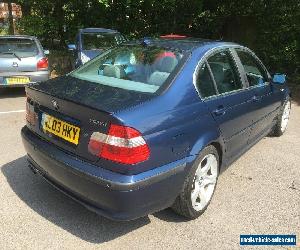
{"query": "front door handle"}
(221, 110)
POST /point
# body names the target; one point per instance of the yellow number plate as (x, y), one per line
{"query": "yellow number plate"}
(17, 80)
(60, 128)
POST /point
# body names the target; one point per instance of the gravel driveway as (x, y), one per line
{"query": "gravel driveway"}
(258, 194)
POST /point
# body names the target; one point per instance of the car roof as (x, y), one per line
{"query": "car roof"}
(18, 36)
(100, 30)
(183, 44)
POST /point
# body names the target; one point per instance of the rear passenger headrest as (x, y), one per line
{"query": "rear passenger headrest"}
(158, 78)
(167, 64)
(115, 71)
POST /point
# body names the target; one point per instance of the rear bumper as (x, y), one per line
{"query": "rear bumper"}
(113, 195)
(36, 76)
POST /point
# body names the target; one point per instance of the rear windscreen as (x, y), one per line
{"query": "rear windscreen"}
(137, 68)
(17, 46)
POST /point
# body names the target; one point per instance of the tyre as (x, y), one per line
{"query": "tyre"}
(199, 186)
(283, 119)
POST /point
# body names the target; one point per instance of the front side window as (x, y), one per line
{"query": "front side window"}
(137, 68)
(20, 47)
(255, 73)
(205, 83)
(225, 72)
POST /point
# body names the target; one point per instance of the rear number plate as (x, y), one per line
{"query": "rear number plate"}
(60, 128)
(17, 80)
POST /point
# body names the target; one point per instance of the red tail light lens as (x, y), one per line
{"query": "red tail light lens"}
(42, 64)
(122, 144)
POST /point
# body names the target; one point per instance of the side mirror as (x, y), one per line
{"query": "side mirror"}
(46, 52)
(71, 47)
(279, 79)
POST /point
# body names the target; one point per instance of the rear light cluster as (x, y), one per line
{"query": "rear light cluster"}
(122, 144)
(42, 64)
(31, 116)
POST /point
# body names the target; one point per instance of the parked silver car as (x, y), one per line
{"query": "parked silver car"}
(22, 60)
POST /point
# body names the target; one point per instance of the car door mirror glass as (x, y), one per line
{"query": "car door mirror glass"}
(46, 52)
(71, 47)
(279, 79)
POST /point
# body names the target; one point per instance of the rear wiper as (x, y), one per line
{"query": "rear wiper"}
(11, 53)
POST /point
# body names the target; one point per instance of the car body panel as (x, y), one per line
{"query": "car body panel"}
(235, 123)
(110, 194)
(176, 123)
(13, 64)
(37, 76)
(266, 98)
(96, 96)
(268, 107)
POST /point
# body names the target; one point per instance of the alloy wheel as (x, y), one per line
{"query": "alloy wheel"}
(204, 182)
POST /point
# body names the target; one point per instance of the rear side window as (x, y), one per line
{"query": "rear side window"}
(255, 73)
(225, 72)
(136, 68)
(19, 46)
(205, 83)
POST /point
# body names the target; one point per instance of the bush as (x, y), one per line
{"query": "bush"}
(61, 62)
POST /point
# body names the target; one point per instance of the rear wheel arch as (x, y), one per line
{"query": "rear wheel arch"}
(219, 149)
(213, 138)
(185, 203)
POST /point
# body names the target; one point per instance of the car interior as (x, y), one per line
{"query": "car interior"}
(224, 72)
(128, 68)
(205, 83)
(254, 72)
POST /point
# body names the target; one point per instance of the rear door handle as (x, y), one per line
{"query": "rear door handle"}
(255, 98)
(221, 110)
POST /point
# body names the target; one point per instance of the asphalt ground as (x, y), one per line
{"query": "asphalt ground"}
(258, 194)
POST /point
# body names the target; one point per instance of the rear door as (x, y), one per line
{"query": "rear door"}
(267, 99)
(231, 106)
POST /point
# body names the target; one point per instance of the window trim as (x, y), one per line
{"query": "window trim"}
(211, 75)
(204, 59)
(211, 78)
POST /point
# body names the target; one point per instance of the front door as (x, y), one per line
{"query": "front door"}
(267, 99)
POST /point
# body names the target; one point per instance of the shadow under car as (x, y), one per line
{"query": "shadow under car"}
(62, 210)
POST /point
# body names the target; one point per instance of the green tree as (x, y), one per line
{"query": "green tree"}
(270, 27)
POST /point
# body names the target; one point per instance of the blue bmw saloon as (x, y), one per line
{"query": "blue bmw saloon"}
(151, 124)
